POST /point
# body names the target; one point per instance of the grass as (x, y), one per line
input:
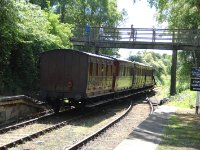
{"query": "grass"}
(186, 99)
(163, 87)
(183, 130)
(162, 92)
(182, 133)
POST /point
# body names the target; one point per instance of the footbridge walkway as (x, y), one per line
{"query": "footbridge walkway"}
(138, 38)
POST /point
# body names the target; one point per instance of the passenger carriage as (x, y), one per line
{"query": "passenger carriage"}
(139, 75)
(100, 75)
(124, 74)
(83, 77)
(74, 75)
(149, 76)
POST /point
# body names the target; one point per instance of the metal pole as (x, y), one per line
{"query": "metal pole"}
(197, 103)
(173, 73)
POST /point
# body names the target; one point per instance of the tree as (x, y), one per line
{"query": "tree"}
(8, 32)
(26, 32)
(137, 58)
(181, 14)
(78, 13)
(94, 12)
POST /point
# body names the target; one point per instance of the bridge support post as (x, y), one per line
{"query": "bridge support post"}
(173, 73)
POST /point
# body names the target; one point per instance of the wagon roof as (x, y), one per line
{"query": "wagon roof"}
(99, 56)
(120, 59)
(134, 62)
(94, 55)
(77, 51)
(142, 64)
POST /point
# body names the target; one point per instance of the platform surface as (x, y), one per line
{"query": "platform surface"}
(148, 134)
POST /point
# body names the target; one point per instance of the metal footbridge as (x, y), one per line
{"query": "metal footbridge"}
(138, 38)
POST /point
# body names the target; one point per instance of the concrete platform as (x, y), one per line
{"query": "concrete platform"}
(13, 108)
(148, 134)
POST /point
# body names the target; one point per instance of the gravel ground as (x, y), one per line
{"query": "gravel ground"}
(115, 135)
(74, 132)
(39, 125)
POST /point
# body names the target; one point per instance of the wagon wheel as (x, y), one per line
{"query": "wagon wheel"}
(56, 105)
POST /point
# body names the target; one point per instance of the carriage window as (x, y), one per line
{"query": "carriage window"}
(121, 71)
(137, 71)
(111, 70)
(147, 72)
(124, 73)
(94, 70)
(132, 71)
(107, 66)
(97, 69)
(128, 71)
(91, 69)
(102, 69)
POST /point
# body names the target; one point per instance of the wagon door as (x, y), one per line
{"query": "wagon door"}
(75, 69)
(52, 73)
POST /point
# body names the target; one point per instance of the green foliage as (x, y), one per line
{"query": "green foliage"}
(94, 12)
(7, 31)
(80, 12)
(183, 71)
(137, 58)
(61, 30)
(181, 14)
(182, 132)
(183, 129)
(26, 32)
(185, 99)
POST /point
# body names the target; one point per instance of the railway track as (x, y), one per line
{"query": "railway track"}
(17, 135)
(24, 123)
(103, 129)
(25, 131)
(20, 108)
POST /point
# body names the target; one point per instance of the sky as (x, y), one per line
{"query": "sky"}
(141, 16)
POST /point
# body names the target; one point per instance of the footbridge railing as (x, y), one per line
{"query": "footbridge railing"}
(148, 36)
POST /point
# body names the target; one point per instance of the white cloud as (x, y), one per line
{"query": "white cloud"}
(141, 16)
